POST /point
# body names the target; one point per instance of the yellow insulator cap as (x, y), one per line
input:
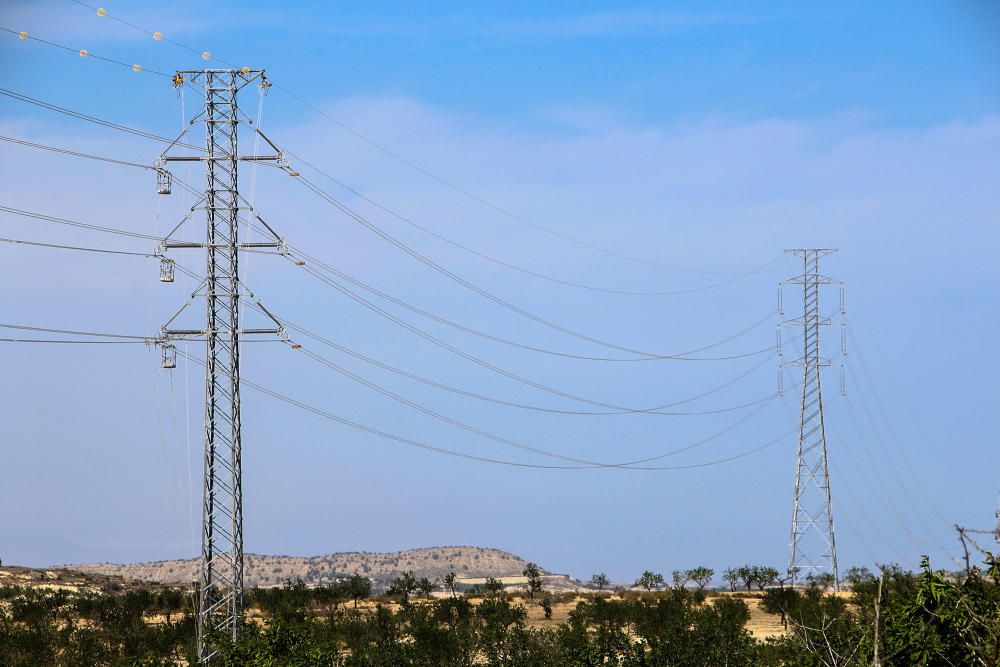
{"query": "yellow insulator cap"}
(22, 35)
(157, 36)
(101, 11)
(136, 68)
(245, 70)
(206, 55)
(84, 53)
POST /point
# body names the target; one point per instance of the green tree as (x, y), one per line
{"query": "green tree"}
(824, 629)
(747, 575)
(731, 576)
(534, 583)
(858, 575)
(329, 597)
(649, 580)
(761, 576)
(403, 587)
(357, 587)
(450, 582)
(502, 625)
(781, 601)
(943, 620)
(822, 580)
(493, 588)
(426, 586)
(701, 575)
(169, 601)
(600, 580)
(546, 605)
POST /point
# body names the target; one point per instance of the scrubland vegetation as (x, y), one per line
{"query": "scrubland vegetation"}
(894, 617)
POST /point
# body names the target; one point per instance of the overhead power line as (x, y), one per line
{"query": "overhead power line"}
(295, 255)
(659, 410)
(890, 460)
(628, 465)
(440, 450)
(76, 223)
(94, 119)
(465, 355)
(303, 259)
(71, 332)
(101, 158)
(506, 441)
(83, 53)
(158, 36)
(207, 55)
(72, 342)
(462, 281)
(497, 208)
(514, 267)
(901, 450)
(65, 151)
(878, 485)
(489, 399)
(73, 247)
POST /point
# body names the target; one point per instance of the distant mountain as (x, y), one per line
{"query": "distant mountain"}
(432, 562)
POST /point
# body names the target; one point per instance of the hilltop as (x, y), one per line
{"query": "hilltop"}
(259, 570)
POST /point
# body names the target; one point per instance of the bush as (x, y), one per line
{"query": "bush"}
(925, 618)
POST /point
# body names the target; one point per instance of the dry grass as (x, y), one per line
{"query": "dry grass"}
(761, 624)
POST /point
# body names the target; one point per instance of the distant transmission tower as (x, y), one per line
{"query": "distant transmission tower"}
(813, 548)
(996, 531)
(220, 601)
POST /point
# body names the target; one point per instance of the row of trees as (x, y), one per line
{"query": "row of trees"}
(891, 618)
(750, 576)
(700, 576)
(747, 576)
(408, 584)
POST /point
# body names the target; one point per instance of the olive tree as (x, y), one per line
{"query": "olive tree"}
(404, 586)
(534, 584)
(650, 580)
(731, 575)
(700, 575)
(357, 587)
(450, 582)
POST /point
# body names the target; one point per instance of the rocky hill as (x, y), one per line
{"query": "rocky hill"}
(433, 562)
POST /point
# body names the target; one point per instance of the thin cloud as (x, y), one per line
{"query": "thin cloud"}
(631, 21)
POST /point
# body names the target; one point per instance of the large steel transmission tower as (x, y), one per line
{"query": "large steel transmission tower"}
(812, 548)
(220, 598)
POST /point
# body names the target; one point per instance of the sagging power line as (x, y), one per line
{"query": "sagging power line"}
(209, 55)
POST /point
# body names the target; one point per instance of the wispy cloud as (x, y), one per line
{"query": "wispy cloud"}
(632, 21)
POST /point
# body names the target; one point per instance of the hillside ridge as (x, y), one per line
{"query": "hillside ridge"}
(382, 567)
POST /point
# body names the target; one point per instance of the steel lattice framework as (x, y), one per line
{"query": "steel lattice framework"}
(220, 593)
(813, 547)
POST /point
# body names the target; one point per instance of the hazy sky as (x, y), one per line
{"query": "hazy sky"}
(703, 136)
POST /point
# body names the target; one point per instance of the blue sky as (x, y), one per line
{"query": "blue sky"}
(708, 136)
